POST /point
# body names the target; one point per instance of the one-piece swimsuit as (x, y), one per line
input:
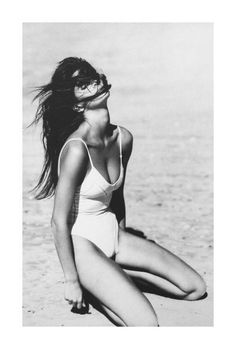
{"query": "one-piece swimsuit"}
(91, 216)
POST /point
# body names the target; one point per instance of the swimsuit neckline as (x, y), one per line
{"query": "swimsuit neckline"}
(121, 164)
(111, 184)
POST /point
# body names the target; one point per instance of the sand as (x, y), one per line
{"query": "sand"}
(167, 105)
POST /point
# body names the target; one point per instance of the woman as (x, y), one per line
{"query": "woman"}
(86, 159)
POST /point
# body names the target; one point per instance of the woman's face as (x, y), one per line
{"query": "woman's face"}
(96, 92)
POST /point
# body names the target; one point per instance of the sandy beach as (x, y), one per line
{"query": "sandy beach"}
(161, 77)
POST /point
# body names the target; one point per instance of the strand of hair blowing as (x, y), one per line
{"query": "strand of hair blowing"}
(59, 120)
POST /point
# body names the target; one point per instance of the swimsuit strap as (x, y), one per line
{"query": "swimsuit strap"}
(69, 140)
(120, 141)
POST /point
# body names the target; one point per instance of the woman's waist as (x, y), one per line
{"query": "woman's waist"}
(100, 218)
(89, 206)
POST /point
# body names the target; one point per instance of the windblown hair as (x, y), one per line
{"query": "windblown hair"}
(59, 117)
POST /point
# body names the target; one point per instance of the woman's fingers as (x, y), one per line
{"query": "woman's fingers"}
(75, 303)
(69, 301)
(83, 303)
(78, 305)
(81, 306)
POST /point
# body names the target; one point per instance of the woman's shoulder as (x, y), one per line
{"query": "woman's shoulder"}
(73, 157)
(74, 149)
(127, 137)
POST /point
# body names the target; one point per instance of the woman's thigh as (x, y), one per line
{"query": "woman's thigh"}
(106, 281)
(144, 255)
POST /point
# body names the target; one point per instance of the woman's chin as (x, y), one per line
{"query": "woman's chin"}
(102, 98)
(107, 95)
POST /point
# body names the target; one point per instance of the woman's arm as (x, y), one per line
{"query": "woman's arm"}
(118, 201)
(74, 161)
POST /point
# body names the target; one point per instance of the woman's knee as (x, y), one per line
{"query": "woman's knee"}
(195, 289)
(200, 290)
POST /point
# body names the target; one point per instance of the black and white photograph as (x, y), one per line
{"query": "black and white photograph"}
(118, 174)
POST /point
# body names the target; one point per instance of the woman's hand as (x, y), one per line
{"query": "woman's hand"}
(74, 294)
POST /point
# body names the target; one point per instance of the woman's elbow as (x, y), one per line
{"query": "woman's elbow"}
(58, 225)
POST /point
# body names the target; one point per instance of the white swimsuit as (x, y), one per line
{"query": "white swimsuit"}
(91, 217)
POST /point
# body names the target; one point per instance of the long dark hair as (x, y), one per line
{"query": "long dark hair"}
(59, 115)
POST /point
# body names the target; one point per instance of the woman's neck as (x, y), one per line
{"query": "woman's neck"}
(99, 121)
